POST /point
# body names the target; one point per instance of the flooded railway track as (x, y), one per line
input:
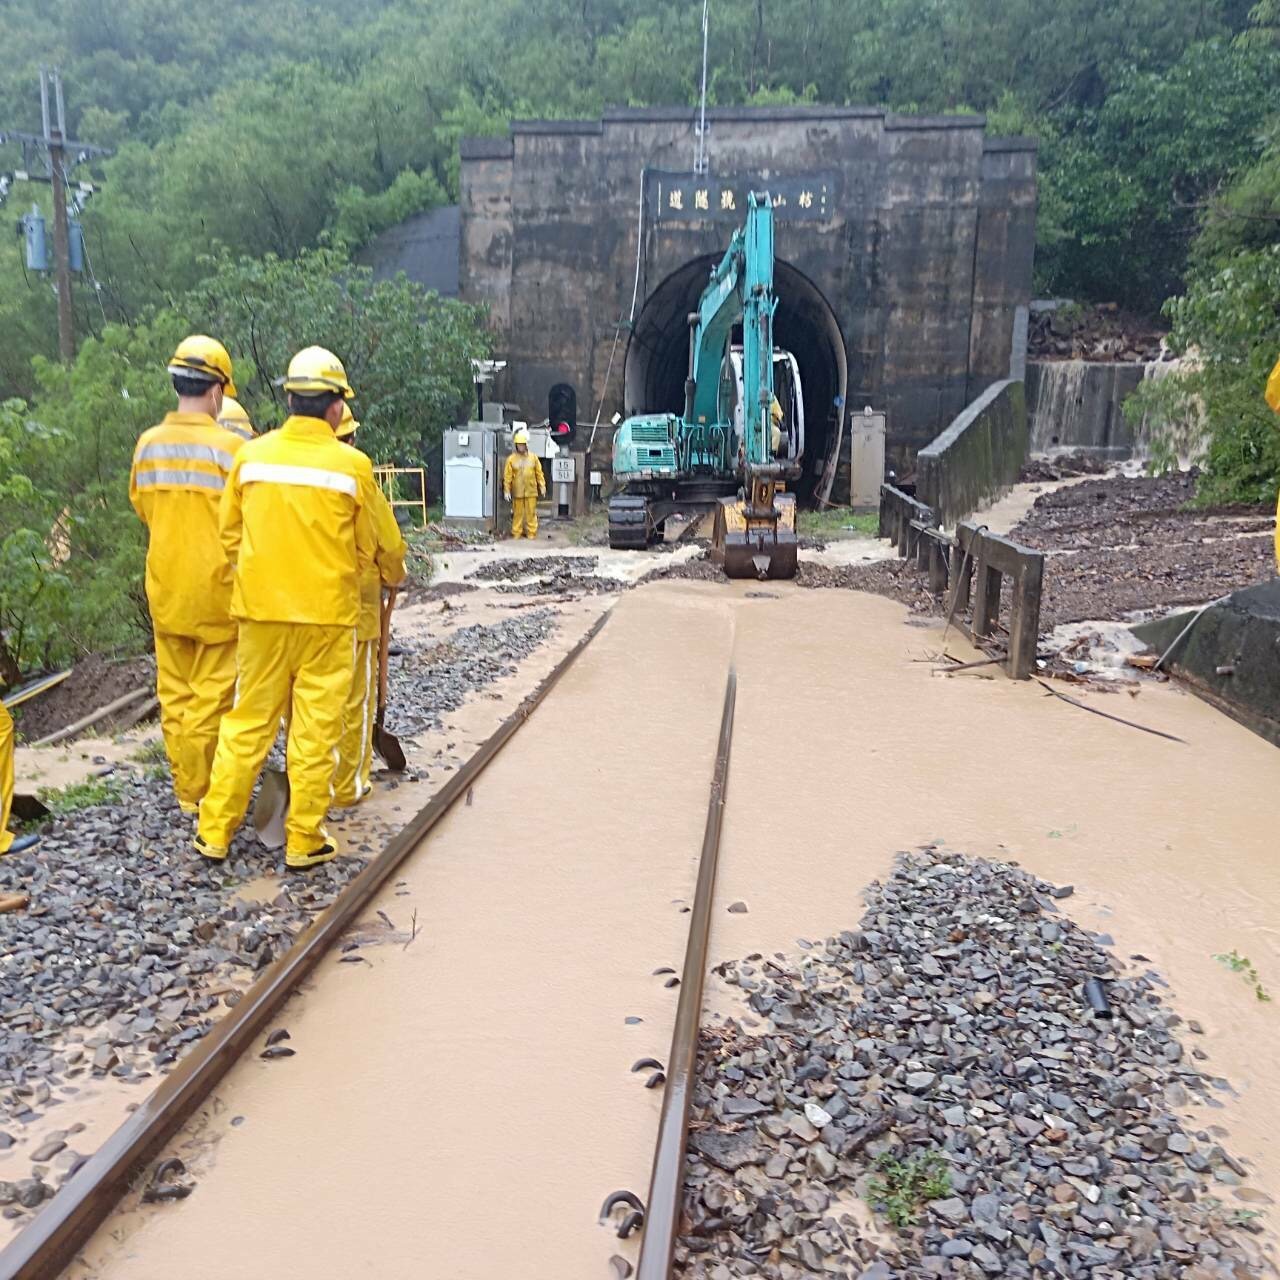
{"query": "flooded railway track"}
(50, 1242)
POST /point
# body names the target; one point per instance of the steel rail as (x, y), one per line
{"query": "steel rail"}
(50, 1243)
(662, 1209)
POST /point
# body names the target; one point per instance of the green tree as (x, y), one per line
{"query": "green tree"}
(407, 352)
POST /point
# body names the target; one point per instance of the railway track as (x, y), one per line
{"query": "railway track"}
(51, 1241)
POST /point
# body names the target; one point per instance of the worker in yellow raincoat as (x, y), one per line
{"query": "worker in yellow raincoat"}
(9, 843)
(296, 524)
(352, 783)
(1273, 399)
(180, 468)
(235, 418)
(522, 485)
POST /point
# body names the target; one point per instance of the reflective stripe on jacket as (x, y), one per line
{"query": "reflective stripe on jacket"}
(522, 476)
(179, 471)
(297, 526)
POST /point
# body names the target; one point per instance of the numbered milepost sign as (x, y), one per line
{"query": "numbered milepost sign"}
(562, 470)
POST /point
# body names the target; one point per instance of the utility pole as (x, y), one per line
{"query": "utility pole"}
(61, 232)
(55, 145)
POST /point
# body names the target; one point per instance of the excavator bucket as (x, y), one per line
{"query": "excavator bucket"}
(753, 542)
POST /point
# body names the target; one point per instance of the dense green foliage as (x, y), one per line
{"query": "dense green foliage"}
(293, 120)
(262, 143)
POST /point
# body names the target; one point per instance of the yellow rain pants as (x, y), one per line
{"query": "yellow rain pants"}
(524, 517)
(196, 684)
(353, 780)
(6, 777)
(302, 671)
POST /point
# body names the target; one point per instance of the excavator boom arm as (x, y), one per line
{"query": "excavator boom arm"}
(741, 289)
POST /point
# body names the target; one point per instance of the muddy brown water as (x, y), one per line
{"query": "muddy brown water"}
(462, 1105)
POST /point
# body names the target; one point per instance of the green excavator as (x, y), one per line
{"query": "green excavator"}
(728, 453)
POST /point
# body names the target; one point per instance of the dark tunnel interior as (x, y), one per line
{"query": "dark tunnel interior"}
(657, 359)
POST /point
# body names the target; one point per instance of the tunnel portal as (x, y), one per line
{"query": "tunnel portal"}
(904, 251)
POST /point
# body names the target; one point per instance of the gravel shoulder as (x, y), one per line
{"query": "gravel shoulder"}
(950, 1032)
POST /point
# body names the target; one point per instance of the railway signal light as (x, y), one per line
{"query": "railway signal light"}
(562, 415)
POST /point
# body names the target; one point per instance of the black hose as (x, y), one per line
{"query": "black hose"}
(1095, 993)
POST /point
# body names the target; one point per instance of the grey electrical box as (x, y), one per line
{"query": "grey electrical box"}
(36, 245)
(471, 463)
(866, 459)
(75, 244)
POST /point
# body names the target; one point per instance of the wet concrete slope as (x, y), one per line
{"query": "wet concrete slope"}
(461, 1106)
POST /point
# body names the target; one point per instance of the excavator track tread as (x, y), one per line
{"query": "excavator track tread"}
(628, 523)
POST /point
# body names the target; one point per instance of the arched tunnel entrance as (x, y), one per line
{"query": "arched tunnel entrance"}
(657, 360)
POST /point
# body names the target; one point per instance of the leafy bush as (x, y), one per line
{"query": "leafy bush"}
(407, 352)
(1229, 320)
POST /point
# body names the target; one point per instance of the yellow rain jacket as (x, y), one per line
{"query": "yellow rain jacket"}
(179, 472)
(1273, 388)
(386, 569)
(522, 476)
(1273, 399)
(301, 498)
(351, 782)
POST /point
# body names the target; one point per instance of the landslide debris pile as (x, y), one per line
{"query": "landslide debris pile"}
(949, 1033)
(547, 575)
(1072, 331)
(1125, 543)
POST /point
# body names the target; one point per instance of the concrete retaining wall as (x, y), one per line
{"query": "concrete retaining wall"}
(1076, 404)
(977, 456)
(1239, 638)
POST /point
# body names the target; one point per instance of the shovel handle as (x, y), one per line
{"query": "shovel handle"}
(384, 643)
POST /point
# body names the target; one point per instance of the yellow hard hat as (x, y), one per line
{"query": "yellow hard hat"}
(349, 425)
(314, 370)
(205, 357)
(521, 436)
(235, 417)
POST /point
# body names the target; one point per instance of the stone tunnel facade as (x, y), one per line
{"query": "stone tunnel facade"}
(904, 249)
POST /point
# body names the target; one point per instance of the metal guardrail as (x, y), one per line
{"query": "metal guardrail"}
(974, 555)
(985, 561)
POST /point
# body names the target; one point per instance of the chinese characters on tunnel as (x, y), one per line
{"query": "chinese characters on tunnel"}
(697, 198)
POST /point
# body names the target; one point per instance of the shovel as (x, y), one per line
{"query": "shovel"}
(271, 808)
(28, 808)
(386, 744)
